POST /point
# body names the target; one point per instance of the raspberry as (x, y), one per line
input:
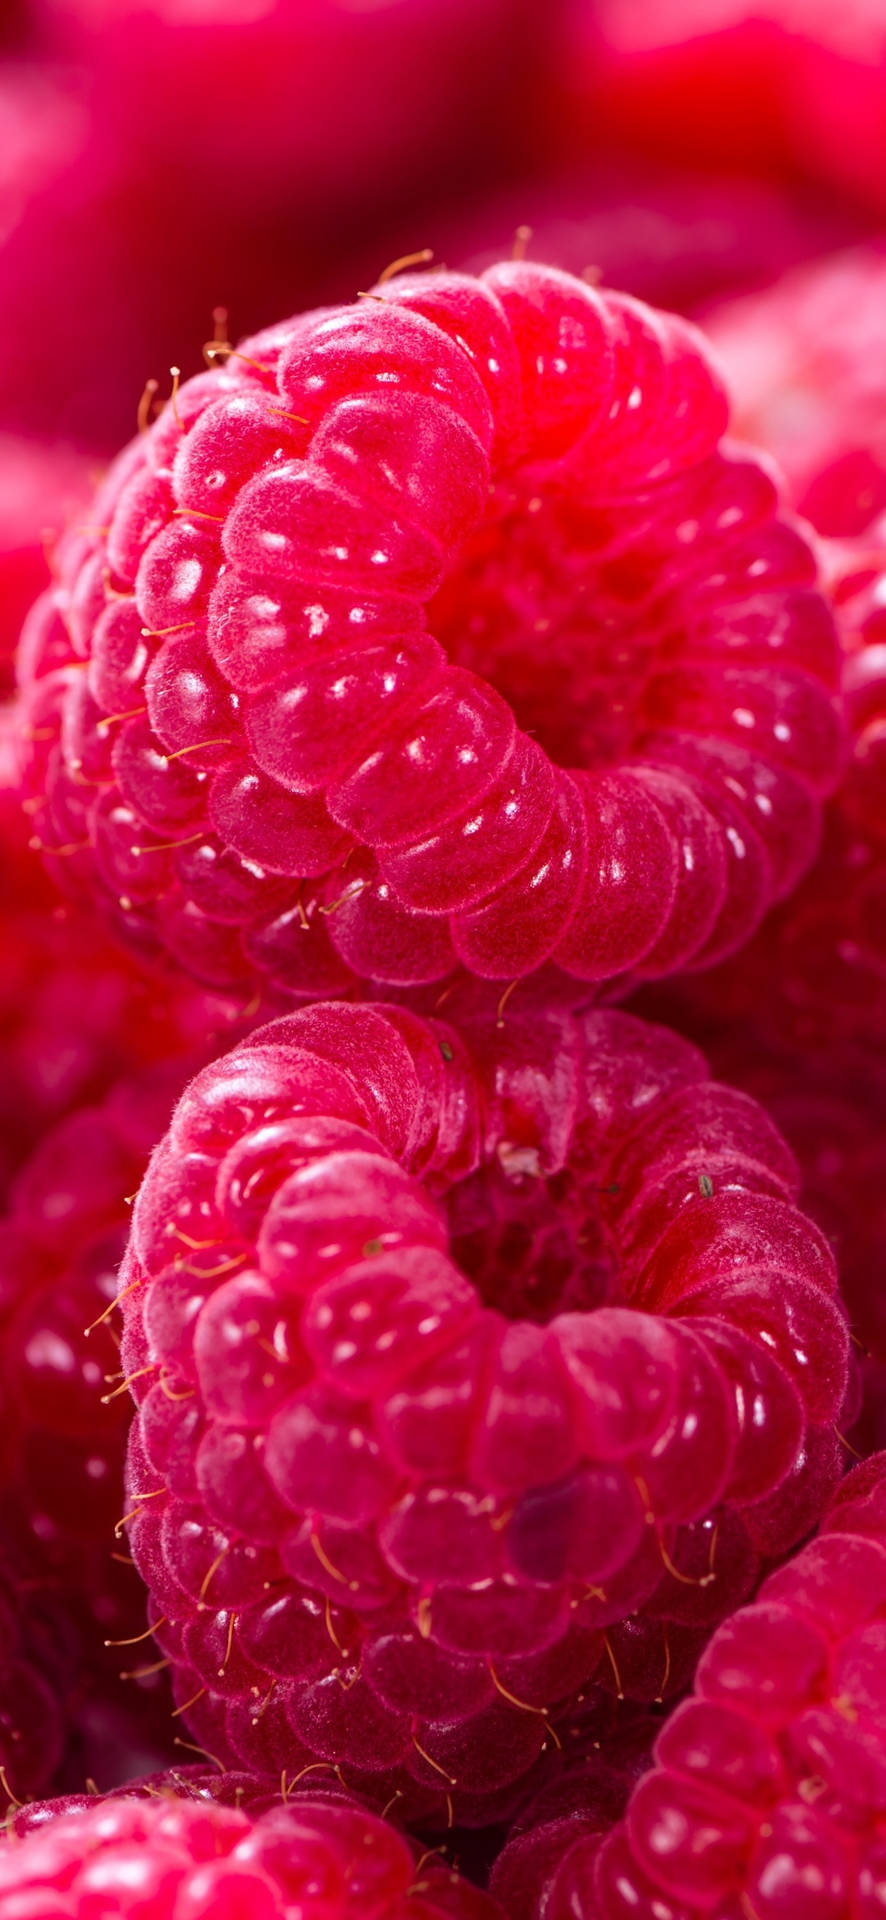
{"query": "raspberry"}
(273, 766)
(769, 1790)
(231, 1849)
(74, 1011)
(450, 1354)
(807, 371)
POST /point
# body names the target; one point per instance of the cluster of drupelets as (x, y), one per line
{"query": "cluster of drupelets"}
(430, 677)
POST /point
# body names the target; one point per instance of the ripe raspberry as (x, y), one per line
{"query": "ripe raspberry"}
(450, 1354)
(806, 367)
(769, 1792)
(272, 764)
(190, 1852)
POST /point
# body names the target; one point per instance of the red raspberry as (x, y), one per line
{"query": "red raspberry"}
(769, 1792)
(450, 1354)
(272, 763)
(806, 367)
(190, 1852)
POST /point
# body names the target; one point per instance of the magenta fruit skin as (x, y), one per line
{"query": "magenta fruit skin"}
(186, 1846)
(768, 1793)
(277, 710)
(451, 1351)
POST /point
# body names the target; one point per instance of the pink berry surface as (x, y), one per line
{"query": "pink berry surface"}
(473, 1363)
(768, 1796)
(285, 709)
(185, 1847)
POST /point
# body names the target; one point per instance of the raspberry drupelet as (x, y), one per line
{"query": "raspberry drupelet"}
(471, 1362)
(444, 628)
(768, 1797)
(192, 1847)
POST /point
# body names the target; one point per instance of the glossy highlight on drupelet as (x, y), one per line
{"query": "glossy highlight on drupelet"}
(442, 628)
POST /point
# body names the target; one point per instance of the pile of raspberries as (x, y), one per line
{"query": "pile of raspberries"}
(440, 1297)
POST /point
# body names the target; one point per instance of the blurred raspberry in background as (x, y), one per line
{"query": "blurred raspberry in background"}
(790, 88)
